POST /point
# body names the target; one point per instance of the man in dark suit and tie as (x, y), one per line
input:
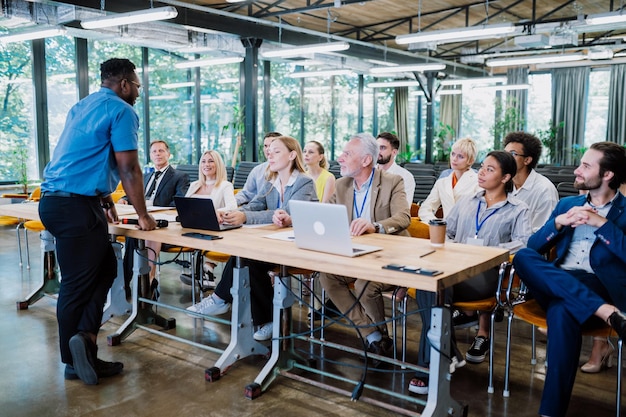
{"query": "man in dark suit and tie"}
(161, 187)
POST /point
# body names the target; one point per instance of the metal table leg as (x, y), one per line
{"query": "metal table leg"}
(50, 283)
(242, 342)
(117, 304)
(142, 312)
(440, 403)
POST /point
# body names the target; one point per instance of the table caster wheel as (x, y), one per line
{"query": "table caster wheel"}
(212, 374)
(22, 305)
(114, 339)
(252, 391)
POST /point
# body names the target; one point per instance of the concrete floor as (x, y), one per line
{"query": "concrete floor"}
(163, 377)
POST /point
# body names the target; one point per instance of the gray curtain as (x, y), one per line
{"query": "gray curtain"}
(450, 112)
(401, 115)
(518, 99)
(616, 123)
(569, 97)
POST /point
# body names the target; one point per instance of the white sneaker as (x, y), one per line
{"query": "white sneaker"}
(264, 332)
(456, 364)
(210, 306)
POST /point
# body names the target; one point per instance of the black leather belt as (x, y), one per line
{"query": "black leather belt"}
(65, 194)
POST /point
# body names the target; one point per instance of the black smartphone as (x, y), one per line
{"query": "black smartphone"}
(201, 236)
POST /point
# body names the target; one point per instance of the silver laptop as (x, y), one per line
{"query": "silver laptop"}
(324, 228)
(199, 213)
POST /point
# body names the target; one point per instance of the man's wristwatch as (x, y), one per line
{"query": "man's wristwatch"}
(378, 227)
(107, 205)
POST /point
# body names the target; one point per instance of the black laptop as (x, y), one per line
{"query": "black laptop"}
(199, 213)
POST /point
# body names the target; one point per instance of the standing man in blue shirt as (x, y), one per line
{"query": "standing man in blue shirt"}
(97, 148)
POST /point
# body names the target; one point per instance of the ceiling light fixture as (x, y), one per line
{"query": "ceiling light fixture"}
(390, 84)
(325, 73)
(535, 59)
(456, 35)
(606, 18)
(28, 35)
(306, 50)
(475, 81)
(407, 68)
(208, 62)
(179, 85)
(139, 16)
(509, 87)
(450, 92)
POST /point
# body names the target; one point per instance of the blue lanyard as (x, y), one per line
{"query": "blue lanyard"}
(356, 210)
(480, 225)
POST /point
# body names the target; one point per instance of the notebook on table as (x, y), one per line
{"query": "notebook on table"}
(199, 213)
(325, 228)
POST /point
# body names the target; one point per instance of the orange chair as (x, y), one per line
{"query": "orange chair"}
(517, 305)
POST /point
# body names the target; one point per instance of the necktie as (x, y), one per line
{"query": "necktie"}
(157, 174)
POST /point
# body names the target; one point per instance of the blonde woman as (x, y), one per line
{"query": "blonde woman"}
(317, 168)
(211, 184)
(461, 182)
(286, 181)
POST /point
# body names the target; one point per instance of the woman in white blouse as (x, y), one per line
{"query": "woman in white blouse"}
(461, 182)
(212, 184)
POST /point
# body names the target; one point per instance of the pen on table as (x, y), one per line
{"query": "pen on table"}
(428, 253)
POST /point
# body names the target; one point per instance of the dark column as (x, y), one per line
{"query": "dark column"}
(249, 96)
(82, 67)
(359, 127)
(41, 103)
(430, 114)
(267, 102)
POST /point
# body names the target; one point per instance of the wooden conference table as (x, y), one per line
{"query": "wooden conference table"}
(457, 262)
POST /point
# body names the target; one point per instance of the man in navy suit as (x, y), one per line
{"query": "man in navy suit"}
(159, 188)
(585, 286)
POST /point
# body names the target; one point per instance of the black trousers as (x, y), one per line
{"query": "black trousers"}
(261, 291)
(86, 260)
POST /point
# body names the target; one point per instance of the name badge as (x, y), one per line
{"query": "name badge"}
(476, 241)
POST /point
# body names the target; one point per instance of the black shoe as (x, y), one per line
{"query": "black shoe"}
(104, 369)
(460, 320)
(154, 290)
(617, 320)
(185, 278)
(82, 349)
(478, 351)
(383, 347)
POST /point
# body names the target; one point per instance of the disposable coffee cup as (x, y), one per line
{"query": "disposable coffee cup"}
(437, 229)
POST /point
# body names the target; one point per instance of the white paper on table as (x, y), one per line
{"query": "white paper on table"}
(286, 236)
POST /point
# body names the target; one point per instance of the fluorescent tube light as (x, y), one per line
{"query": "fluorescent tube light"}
(405, 83)
(475, 81)
(535, 59)
(450, 92)
(179, 85)
(325, 73)
(139, 16)
(407, 68)
(208, 62)
(306, 50)
(28, 35)
(606, 18)
(509, 87)
(455, 35)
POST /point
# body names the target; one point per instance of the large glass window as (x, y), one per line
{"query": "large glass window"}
(539, 113)
(17, 142)
(477, 117)
(61, 82)
(597, 106)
